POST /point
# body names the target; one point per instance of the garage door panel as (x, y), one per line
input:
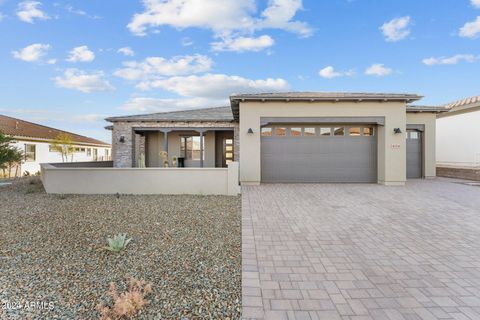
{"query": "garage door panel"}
(319, 159)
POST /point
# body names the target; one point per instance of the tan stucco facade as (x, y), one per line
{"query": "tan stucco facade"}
(391, 146)
(428, 120)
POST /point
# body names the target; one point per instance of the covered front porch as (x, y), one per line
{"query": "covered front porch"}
(202, 147)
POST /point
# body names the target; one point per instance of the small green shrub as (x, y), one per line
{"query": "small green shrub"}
(30, 189)
(118, 243)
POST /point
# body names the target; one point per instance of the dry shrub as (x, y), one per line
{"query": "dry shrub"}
(127, 304)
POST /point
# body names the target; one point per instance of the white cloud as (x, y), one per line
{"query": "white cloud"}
(470, 29)
(144, 104)
(27, 11)
(208, 14)
(214, 86)
(279, 15)
(80, 12)
(154, 67)
(126, 51)
(228, 17)
(83, 81)
(450, 60)
(187, 42)
(32, 53)
(396, 29)
(378, 70)
(242, 44)
(2, 16)
(329, 72)
(81, 54)
(475, 3)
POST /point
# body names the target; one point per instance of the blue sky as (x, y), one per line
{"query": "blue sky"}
(69, 64)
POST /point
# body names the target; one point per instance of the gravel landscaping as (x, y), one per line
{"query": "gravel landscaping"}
(187, 247)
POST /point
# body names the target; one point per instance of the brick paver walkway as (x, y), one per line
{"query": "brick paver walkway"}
(333, 251)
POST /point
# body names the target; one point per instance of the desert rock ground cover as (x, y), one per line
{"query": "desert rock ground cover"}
(187, 247)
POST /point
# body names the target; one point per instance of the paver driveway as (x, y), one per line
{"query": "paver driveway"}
(334, 251)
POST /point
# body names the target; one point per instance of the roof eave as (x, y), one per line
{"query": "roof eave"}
(236, 99)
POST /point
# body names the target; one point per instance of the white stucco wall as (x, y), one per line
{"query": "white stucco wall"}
(391, 146)
(458, 139)
(43, 155)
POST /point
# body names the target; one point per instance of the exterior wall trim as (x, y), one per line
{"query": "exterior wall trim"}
(419, 127)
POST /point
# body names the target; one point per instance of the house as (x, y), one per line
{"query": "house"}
(458, 134)
(458, 140)
(290, 137)
(35, 141)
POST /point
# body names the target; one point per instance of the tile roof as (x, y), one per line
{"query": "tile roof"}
(463, 102)
(21, 128)
(204, 114)
(426, 109)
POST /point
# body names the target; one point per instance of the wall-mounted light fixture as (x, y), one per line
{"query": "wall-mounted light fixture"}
(250, 131)
(397, 130)
(122, 139)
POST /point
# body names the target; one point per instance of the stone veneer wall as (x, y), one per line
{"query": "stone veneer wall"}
(124, 154)
(459, 173)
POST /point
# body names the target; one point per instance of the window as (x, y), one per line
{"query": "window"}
(30, 152)
(325, 131)
(308, 132)
(368, 131)
(266, 132)
(77, 149)
(106, 153)
(280, 132)
(190, 147)
(354, 132)
(414, 135)
(296, 132)
(339, 131)
(89, 152)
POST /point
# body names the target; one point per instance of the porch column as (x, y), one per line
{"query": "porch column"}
(201, 149)
(165, 139)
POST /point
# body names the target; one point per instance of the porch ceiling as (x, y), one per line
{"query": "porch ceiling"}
(172, 129)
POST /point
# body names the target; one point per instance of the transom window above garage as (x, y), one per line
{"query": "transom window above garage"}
(318, 131)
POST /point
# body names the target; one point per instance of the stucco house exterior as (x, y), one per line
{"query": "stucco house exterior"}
(458, 134)
(289, 137)
(35, 141)
(458, 140)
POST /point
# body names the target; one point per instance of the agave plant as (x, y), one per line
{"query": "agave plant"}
(118, 243)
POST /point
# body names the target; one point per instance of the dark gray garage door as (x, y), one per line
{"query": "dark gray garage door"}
(315, 153)
(414, 154)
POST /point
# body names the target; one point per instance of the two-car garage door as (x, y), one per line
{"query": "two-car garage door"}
(319, 153)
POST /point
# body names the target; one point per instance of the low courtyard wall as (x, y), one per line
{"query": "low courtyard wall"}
(105, 180)
(466, 173)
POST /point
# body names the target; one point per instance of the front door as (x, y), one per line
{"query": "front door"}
(414, 154)
(227, 151)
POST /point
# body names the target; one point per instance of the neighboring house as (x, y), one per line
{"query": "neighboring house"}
(35, 141)
(290, 137)
(458, 134)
